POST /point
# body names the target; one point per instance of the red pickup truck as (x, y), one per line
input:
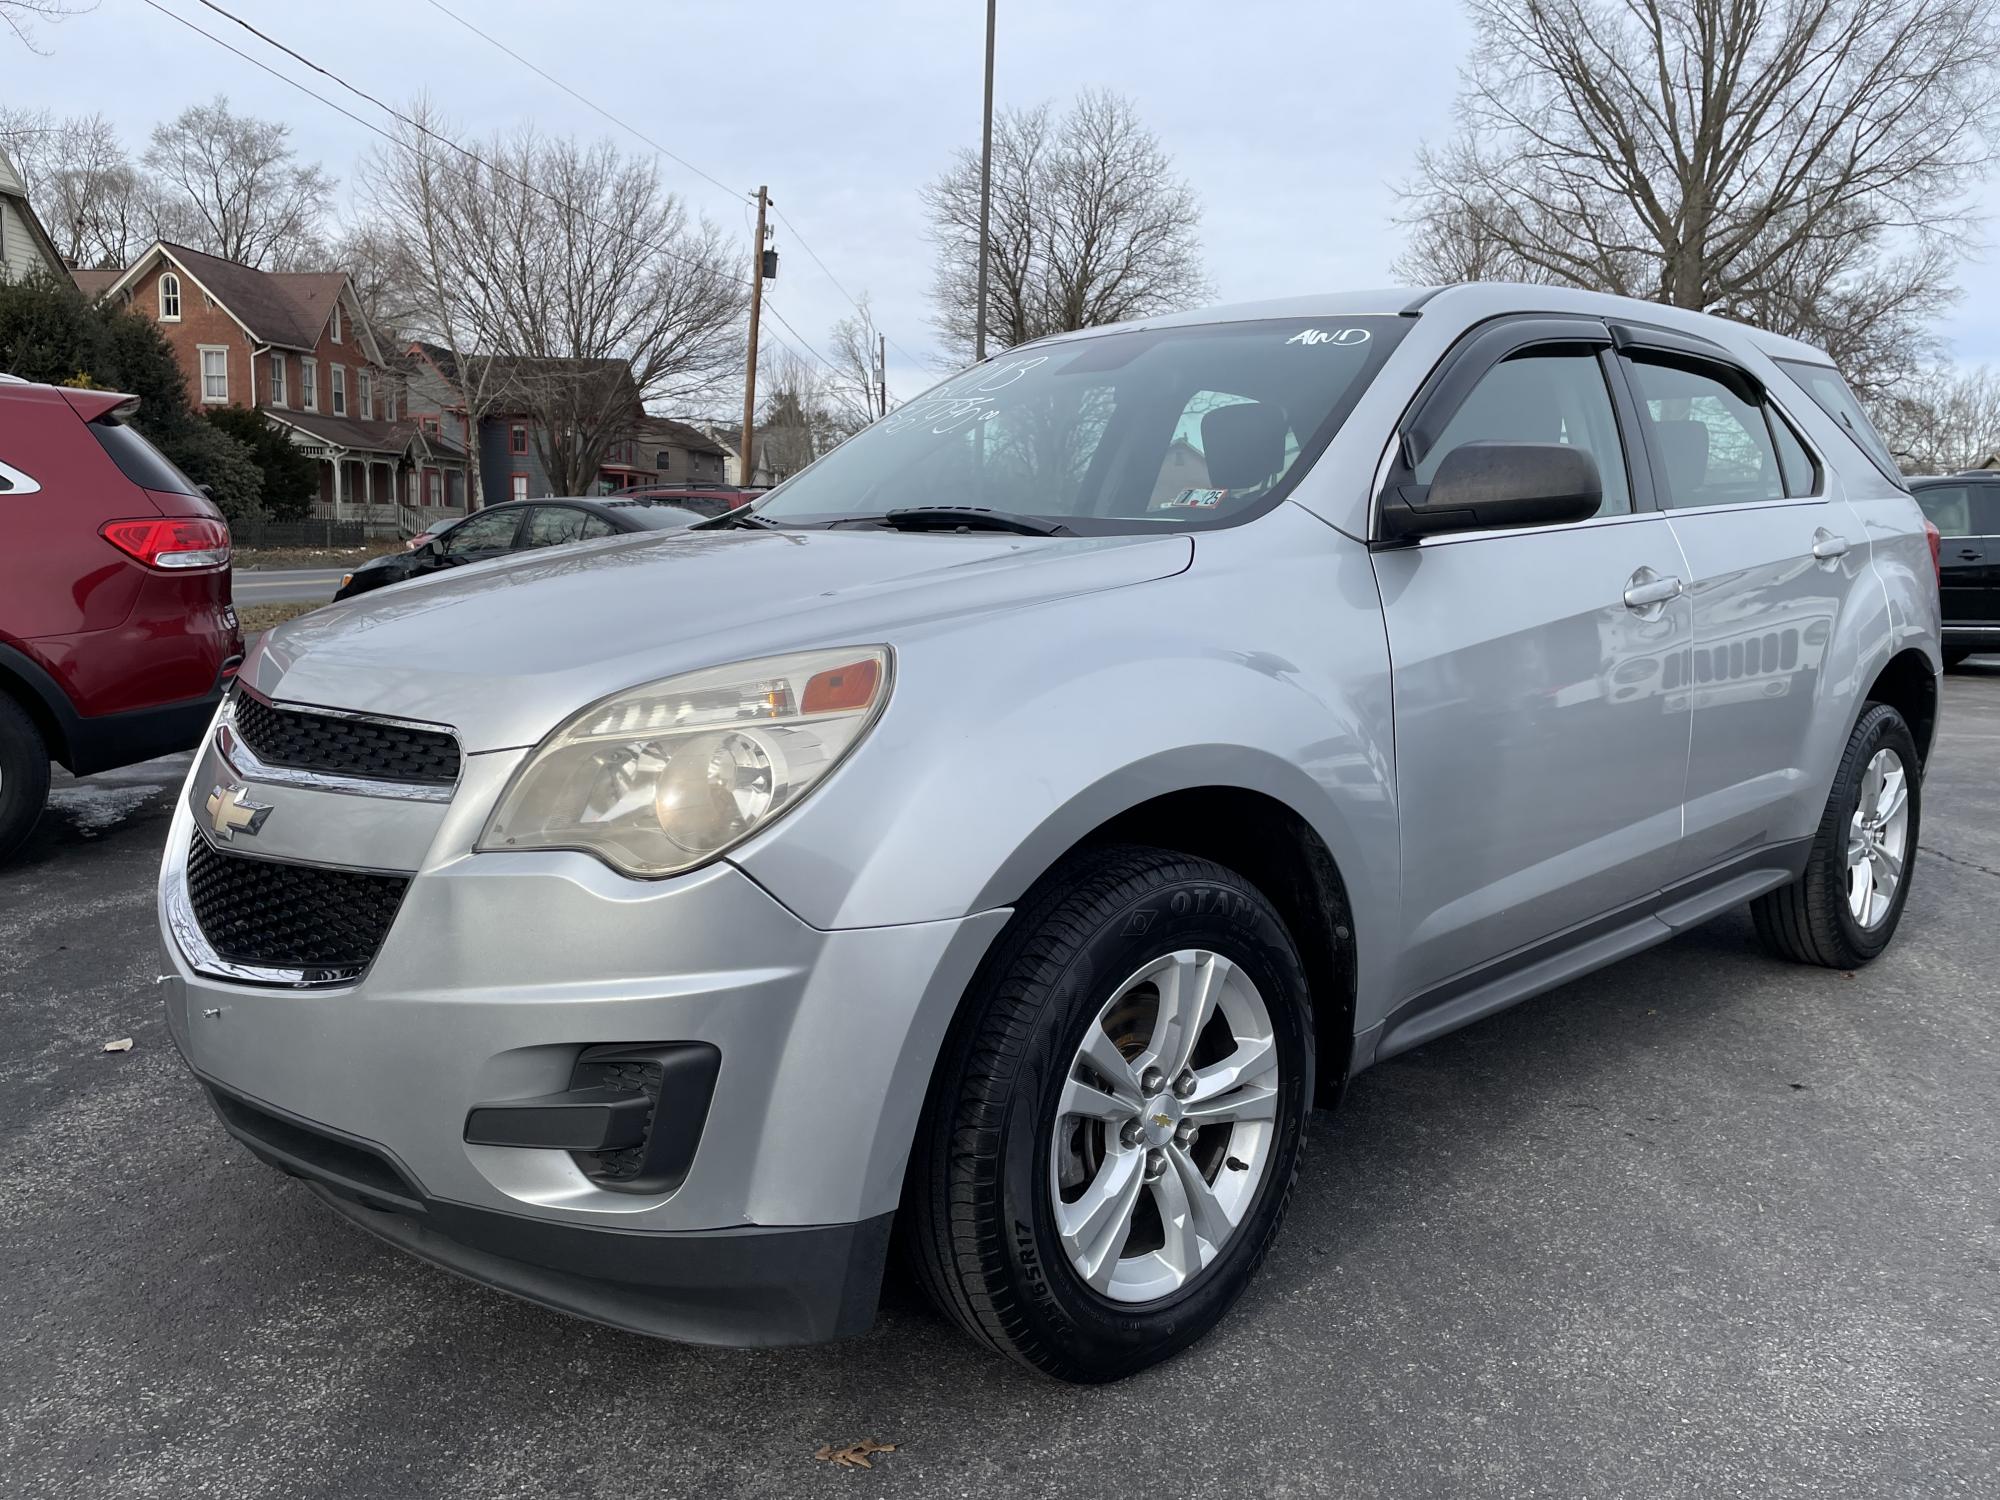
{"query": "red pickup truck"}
(117, 635)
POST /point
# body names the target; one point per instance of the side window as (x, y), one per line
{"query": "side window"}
(483, 533)
(1542, 396)
(1714, 445)
(596, 526)
(1949, 508)
(552, 525)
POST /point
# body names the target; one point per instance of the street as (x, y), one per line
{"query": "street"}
(286, 586)
(1700, 1224)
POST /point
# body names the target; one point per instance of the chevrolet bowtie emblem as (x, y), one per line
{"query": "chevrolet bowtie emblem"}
(230, 812)
(1163, 1121)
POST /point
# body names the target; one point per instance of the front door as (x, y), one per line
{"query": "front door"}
(1540, 758)
(1772, 552)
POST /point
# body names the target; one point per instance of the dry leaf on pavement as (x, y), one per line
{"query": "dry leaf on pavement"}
(854, 1455)
(123, 1044)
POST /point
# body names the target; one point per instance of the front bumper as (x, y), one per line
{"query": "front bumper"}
(497, 972)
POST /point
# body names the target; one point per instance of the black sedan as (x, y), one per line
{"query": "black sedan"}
(515, 526)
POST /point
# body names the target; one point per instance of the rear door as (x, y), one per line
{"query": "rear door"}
(1965, 583)
(1540, 757)
(1773, 552)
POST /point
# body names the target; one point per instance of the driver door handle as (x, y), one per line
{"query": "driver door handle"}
(1647, 589)
(1826, 546)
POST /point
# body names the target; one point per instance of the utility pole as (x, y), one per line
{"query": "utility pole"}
(746, 463)
(985, 190)
(882, 374)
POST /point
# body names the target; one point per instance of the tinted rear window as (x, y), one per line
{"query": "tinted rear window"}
(1831, 394)
(138, 460)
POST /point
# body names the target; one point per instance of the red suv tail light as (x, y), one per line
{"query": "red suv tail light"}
(1937, 548)
(172, 544)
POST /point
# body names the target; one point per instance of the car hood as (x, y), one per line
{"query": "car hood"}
(505, 650)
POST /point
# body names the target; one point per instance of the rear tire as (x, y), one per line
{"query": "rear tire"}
(1814, 919)
(24, 776)
(1015, 1150)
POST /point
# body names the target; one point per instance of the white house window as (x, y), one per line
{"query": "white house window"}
(170, 298)
(336, 322)
(367, 396)
(214, 374)
(277, 378)
(309, 384)
(339, 390)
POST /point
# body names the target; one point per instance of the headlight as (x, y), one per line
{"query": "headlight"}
(666, 776)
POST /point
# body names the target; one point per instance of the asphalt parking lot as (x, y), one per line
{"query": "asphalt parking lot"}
(1699, 1225)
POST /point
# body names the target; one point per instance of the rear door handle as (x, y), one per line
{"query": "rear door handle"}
(1646, 588)
(1970, 554)
(1826, 546)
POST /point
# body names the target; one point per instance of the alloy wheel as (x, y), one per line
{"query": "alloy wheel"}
(1166, 1126)
(1877, 838)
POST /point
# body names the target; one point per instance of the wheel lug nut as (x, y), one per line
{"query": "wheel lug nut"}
(1132, 1133)
(1188, 1131)
(1184, 1085)
(1156, 1164)
(1152, 1081)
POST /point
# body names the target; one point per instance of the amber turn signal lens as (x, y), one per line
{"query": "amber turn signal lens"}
(840, 689)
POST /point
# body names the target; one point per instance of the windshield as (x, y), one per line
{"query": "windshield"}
(1155, 428)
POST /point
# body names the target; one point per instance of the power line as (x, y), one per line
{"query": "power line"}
(640, 135)
(394, 113)
(587, 103)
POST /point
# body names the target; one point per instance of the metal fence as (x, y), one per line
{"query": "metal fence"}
(259, 533)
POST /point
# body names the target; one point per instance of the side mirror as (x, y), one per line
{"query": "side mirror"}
(1486, 485)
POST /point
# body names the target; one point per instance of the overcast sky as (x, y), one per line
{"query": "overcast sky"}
(1293, 121)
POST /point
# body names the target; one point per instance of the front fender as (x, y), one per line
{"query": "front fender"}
(1010, 738)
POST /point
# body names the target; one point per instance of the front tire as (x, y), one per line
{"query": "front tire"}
(24, 776)
(1115, 1130)
(1843, 911)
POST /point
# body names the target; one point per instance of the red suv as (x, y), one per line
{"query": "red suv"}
(117, 635)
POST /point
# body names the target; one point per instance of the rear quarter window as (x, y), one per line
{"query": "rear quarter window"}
(1832, 395)
(138, 460)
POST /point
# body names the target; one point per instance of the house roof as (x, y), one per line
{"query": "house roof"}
(94, 284)
(650, 429)
(11, 186)
(501, 372)
(286, 308)
(350, 432)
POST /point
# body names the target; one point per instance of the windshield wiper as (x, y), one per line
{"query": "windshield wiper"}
(743, 515)
(970, 518)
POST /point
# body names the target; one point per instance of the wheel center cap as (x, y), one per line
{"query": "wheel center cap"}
(1160, 1119)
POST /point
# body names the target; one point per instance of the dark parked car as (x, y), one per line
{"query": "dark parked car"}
(706, 500)
(1965, 508)
(517, 526)
(117, 635)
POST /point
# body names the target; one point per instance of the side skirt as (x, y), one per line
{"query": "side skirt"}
(1552, 961)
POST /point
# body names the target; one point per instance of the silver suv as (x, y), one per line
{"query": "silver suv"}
(1005, 833)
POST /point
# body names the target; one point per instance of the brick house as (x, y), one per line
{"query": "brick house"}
(296, 346)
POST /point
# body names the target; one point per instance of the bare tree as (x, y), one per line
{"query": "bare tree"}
(85, 191)
(575, 253)
(1089, 225)
(1943, 421)
(20, 16)
(854, 388)
(1756, 159)
(797, 423)
(422, 205)
(232, 185)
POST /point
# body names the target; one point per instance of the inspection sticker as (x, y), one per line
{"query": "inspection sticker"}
(1195, 500)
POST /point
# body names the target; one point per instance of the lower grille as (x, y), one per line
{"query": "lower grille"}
(284, 916)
